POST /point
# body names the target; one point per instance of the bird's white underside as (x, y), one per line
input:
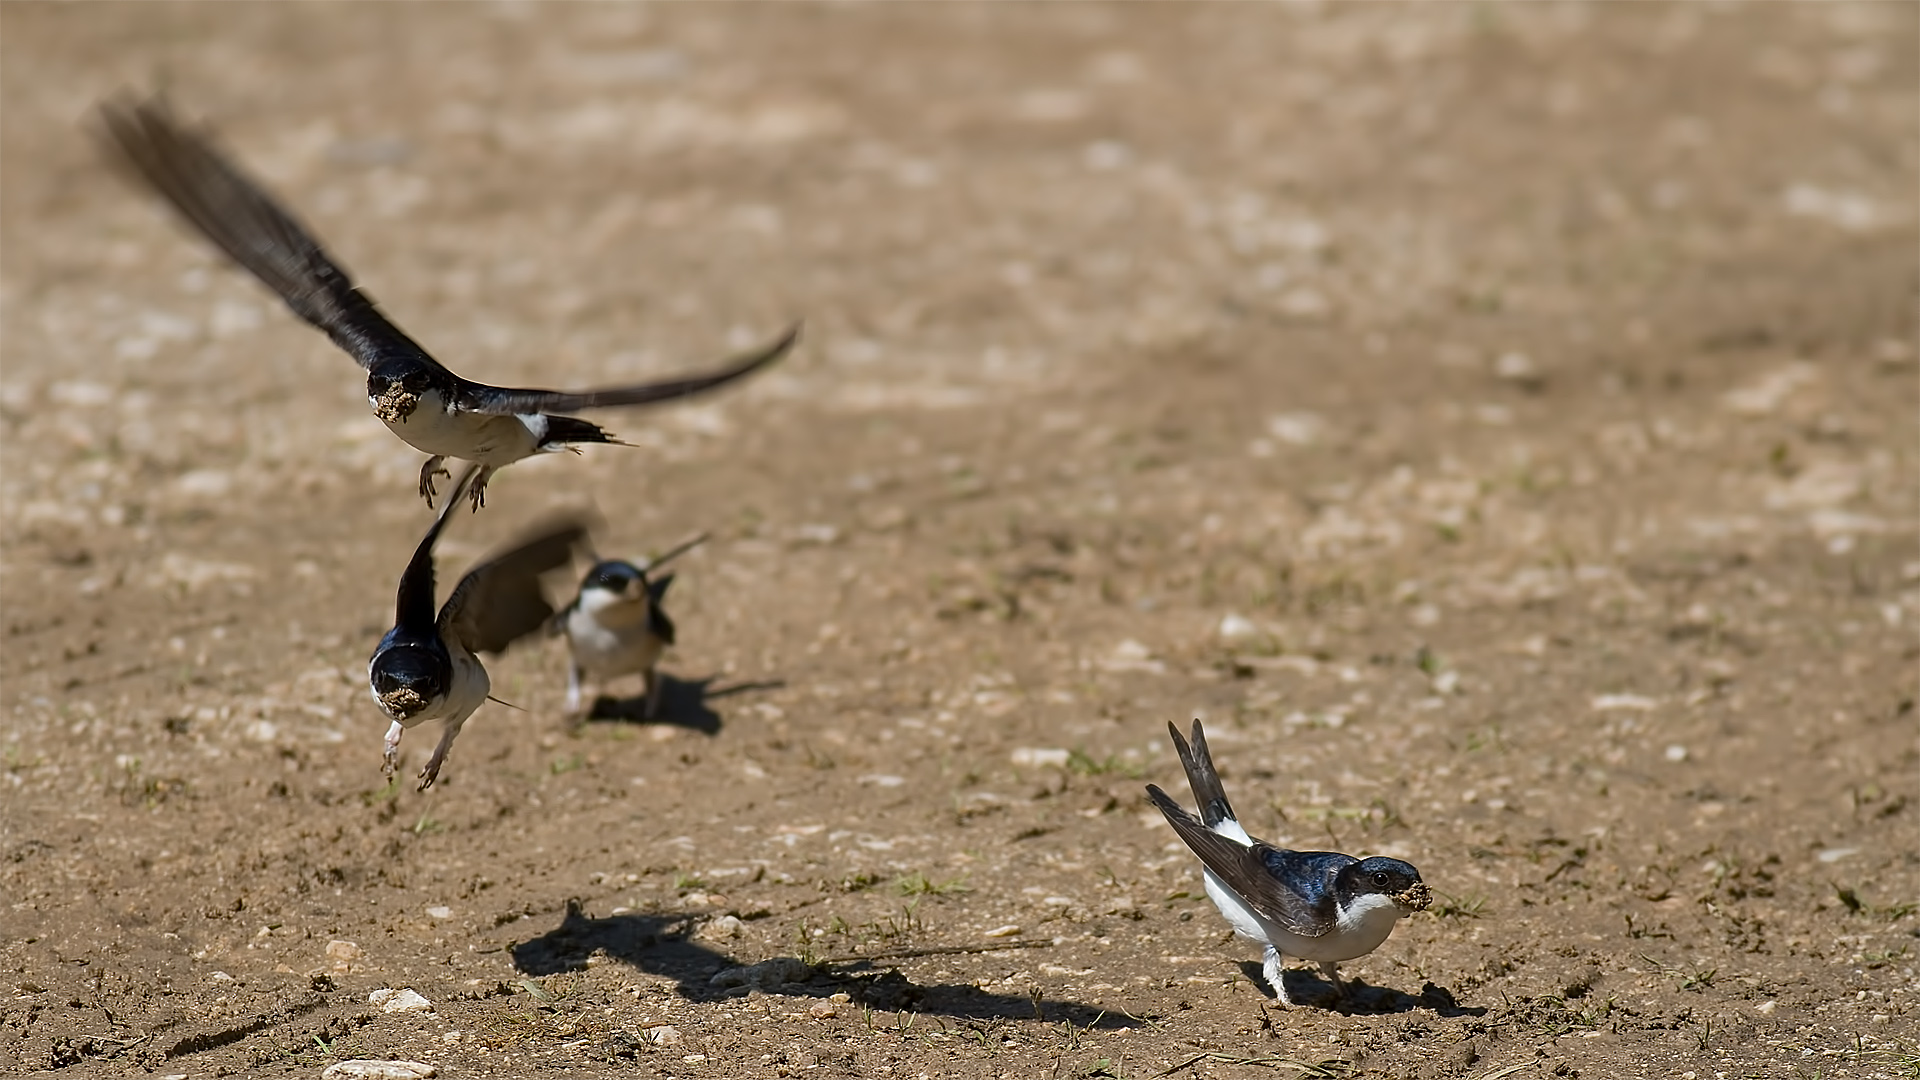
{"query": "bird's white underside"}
(482, 437)
(609, 634)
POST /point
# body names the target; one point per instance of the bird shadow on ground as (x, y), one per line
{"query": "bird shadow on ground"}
(683, 703)
(1361, 999)
(662, 945)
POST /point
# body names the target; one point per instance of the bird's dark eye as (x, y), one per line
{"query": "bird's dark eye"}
(1380, 879)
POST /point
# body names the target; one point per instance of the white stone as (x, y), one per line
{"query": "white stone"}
(366, 1069)
(1235, 627)
(1614, 702)
(397, 1001)
(1765, 395)
(726, 926)
(1035, 757)
(1516, 367)
(343, 955)
(1131, 655)
(1297, 428)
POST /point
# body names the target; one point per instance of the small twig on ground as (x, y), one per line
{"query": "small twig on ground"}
(937, 950)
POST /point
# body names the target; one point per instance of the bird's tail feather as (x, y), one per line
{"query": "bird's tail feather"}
(1201, 776)
(1176, 814)
(572, 429)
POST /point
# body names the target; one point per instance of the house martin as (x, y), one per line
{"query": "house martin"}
(1316, 905)
(412, 393)
(427, 667)
(615, 626)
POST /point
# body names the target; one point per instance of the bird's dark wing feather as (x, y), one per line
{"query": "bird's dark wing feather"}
(501, 401)
(501, 601)
(657, 622)
(240, 218)
(1201, 776)
(1291, 888)
(413, 607)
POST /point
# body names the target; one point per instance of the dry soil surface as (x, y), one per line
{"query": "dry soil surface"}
(1498, 422)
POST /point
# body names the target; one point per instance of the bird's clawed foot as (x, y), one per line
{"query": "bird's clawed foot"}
(391, 761)
(477, 494)
(427, 472)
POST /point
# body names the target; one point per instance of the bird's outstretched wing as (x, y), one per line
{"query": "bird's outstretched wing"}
(413, 606)
(500, 601)
(502, 401)
(241, 219)
(1290, 888)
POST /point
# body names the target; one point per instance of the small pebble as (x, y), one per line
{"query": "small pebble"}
(343, 955)
(1009, 930)
(726, 926)
(1634, 702)
(397, 1001)
(1516, 367)
(366, 1069)
(823, 1010)
(1235, 627)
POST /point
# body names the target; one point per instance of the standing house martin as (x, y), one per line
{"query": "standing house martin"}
(412, 393)
(1316, 905)
(426, 667)
(615, 626)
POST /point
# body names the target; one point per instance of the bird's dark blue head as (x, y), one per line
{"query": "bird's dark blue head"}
(614, 576)
(1391, 878)
(407, 678)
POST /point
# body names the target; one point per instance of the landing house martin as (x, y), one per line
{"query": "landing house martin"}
(615, 626)
(412, 393)
(1316, 905)
(426, 667)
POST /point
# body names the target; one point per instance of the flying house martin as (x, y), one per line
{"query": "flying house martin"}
(1316, 905)
(615, 626)
(426, 667)
(418, 399)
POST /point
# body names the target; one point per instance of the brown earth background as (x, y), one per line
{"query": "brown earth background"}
(1497, 421)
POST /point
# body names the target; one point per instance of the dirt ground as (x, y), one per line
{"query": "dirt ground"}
(1498, 422)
